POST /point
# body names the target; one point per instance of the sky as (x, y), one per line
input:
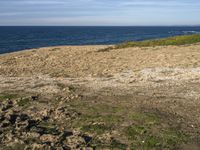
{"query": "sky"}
(100, 12)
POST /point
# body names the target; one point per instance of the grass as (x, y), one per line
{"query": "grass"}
(145, 118)
(110, 115)
(113, 145)
(23, 102)
(143, 137)
(5, 96)
(96, 128)
(147, 135)
(141, 130)
(146, 132)
(176, 40)
(173, 136)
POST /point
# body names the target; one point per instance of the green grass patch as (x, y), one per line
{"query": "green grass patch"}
(111, 120)
(145, 118)
(173, 136)
(176, 40)
(99, 108)
(109, 115)
(143, 137)
(147, 132)
(152, 142)
(96, 128)
(134, 131)
(113, 144)
(5, 96)
(24, 102)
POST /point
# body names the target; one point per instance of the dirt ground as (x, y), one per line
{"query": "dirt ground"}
(76, 97)
(81, 61)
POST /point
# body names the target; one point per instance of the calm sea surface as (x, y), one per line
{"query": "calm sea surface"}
(20, 38)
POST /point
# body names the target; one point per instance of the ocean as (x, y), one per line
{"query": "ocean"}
(19, 38)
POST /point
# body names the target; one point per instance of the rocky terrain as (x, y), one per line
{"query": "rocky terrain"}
(84, 98)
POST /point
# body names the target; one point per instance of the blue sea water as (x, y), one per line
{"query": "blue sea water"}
(20, 38)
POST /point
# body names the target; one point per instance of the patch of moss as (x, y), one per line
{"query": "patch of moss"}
(146, 118)
(5, 96)
(96, 128)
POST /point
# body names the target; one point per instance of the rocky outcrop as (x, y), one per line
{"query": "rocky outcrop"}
(27, 130)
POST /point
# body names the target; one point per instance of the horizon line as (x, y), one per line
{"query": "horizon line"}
(99, 25)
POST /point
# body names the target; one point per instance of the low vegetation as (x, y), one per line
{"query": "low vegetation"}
(177, 40)
(5, 96)
(142, 130)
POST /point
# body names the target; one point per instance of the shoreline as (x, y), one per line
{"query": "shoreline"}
(46, 47)
(88, 60)
(180, 40)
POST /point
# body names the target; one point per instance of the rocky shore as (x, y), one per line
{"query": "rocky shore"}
(79, 97)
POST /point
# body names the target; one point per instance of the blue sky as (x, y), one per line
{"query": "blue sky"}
(100, 12)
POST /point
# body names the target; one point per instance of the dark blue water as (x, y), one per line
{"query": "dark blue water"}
(20, 38)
